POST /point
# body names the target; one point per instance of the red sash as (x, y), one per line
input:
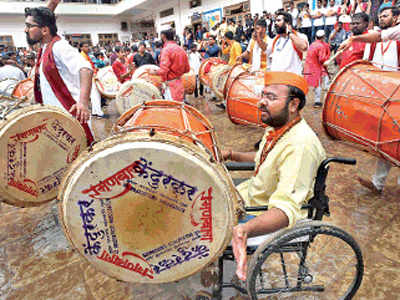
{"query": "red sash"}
(56, 83)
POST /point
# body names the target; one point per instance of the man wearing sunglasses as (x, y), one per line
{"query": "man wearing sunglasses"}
(63, 77)
(286, 164)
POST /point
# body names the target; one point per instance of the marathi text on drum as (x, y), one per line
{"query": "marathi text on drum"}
(206, 216)
(198, 251)
(90, 232)
(30, 132)
(126, 264)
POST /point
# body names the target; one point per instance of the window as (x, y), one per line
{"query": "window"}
(167, 12)
(106, 38)
(76, 38)
(195, 3)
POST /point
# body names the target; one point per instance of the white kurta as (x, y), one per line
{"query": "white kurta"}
(284, 56)
(68, 62)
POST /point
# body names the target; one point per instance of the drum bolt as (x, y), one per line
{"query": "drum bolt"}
(152, 132)
(212, 160)
(308, 278)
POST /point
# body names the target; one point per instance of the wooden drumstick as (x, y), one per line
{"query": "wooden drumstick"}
(333, 58)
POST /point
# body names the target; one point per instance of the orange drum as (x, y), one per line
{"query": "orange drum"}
(206, 68)
(235, 72)
(24, 88)
(172, 117)
(219, 77)
(143, 73)
(149, 205)
(189, 82)
(243, 96)
(362, 107)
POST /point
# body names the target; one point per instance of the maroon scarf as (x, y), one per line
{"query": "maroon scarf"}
(56, 83)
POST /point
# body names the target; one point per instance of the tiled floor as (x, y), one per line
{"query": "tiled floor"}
(37, 262)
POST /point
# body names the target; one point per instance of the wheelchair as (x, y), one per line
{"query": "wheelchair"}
(312, 260)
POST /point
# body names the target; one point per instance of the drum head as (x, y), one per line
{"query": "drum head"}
(143, 73)
(147, 209)
(218, 80)
(135, 92)
(107, 83)
(37, 144)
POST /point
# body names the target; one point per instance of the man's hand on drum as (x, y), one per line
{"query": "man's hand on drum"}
(345, 45)
(81, 112)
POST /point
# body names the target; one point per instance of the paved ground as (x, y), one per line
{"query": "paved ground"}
(36, 261)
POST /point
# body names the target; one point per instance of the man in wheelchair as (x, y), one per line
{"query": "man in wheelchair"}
(286, 164)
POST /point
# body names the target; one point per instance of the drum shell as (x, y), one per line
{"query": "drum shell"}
(362, 107)
(86, 160)
(242, 99)
(189, 82)
(24, 88)
(174, 118)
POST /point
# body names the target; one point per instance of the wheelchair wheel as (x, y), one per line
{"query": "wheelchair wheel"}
(314, 260)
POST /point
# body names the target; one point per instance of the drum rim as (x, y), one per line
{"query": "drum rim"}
(220, 170)
(17, 115)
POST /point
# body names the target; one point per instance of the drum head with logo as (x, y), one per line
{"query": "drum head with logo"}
(147, 208)
(134, 92)
(37, 144)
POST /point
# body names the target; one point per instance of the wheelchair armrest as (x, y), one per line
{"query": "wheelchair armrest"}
(256, 208)
(240, 166)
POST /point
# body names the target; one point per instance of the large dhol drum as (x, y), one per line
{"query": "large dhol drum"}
(143, 73)
(207, 67)
(243, 95)
(189, 82)
(134, 92)
(37, 144)
(149, 206)
(107, 82)
(362, 106)
(218, 80)
(24, 89)
(7, 87)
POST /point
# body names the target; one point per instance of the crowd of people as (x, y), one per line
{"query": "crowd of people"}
(290, 43)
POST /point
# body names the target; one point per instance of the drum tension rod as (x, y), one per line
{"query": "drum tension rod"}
(152, 132)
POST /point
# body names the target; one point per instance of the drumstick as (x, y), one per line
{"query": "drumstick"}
(333, 58)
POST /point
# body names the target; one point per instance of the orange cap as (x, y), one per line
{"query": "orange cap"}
(286, 78)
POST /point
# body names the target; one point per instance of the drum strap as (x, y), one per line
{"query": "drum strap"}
(56, 82)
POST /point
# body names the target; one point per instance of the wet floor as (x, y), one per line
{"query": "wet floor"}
(37, 262)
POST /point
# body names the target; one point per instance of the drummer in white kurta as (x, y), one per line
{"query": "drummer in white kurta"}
(63, 77)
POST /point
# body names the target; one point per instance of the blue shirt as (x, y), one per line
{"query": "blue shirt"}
(212, 51)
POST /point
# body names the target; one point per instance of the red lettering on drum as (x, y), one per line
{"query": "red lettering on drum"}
(22, 186)
(119, 178)
(74, 154)
(144, 271)
(206, 216)
(30, 132)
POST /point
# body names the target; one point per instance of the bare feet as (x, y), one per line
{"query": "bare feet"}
(239, 244)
